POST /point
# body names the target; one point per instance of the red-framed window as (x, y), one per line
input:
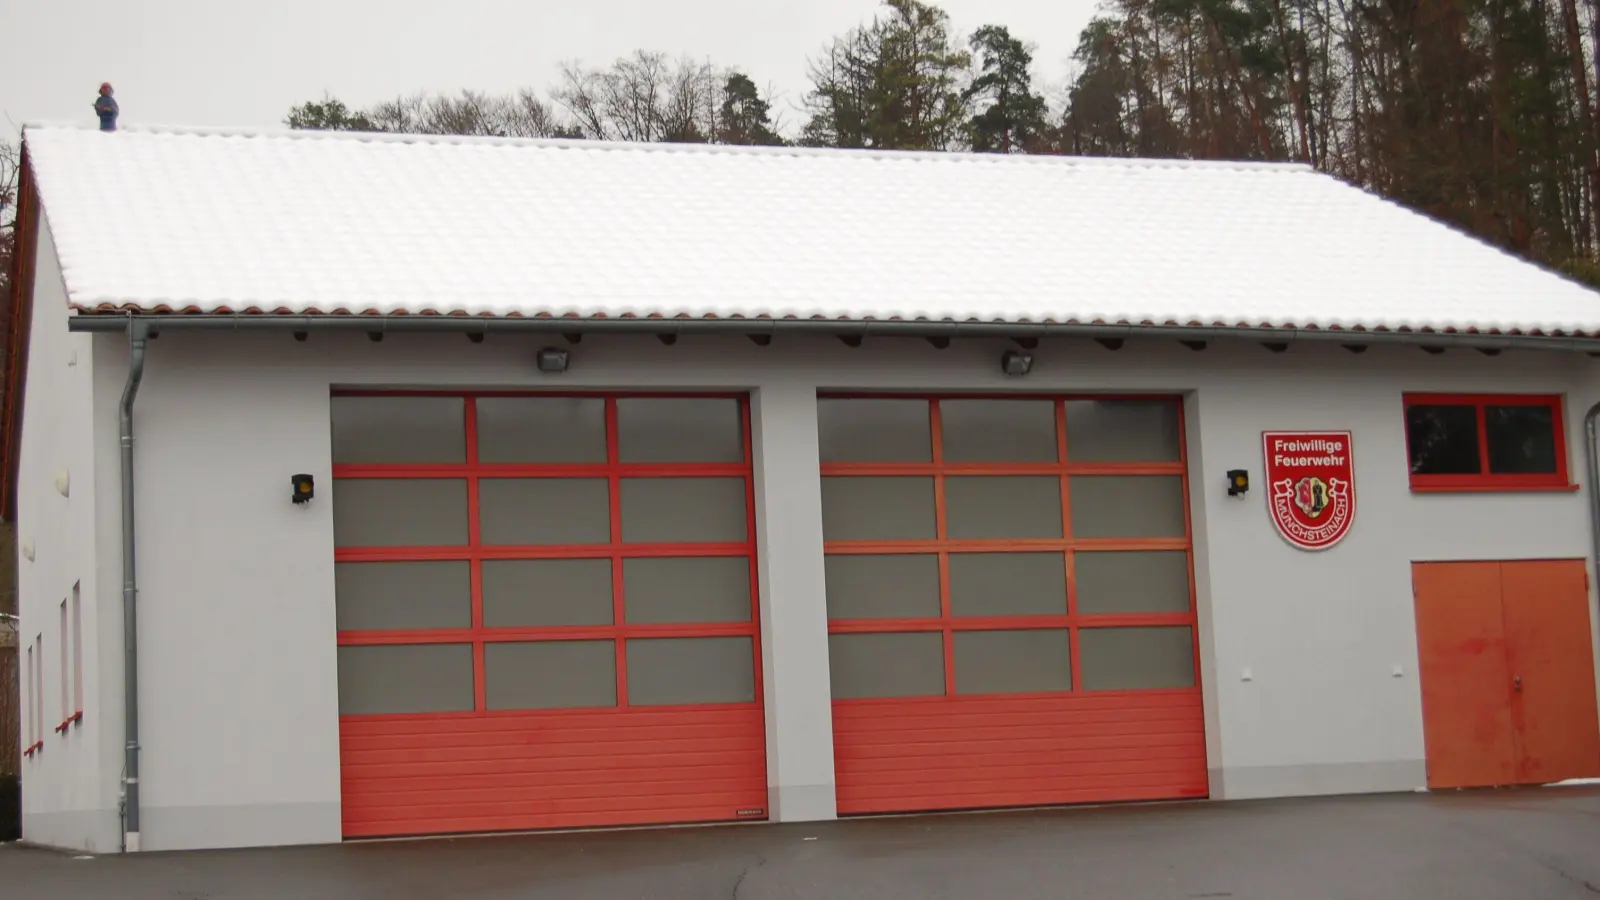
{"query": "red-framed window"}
(500, 553)
(1006, 546)
(1486, 442)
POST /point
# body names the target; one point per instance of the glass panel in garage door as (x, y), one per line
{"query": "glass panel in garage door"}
(509, 549)
(541, 429)
(984, 561)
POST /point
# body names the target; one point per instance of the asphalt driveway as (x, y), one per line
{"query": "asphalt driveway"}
(1506, 845)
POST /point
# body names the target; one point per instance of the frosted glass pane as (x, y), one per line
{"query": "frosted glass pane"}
(1127, 506)
(405, 678)
(399, 512)
(550, 674)
(541, 430)
(681, 510)
(399, 429)
(996, 507)
(1122, 430)
(1118, 659)
(533, 593)
(873, 430)
(886, 665)
(1132, 582)
(882, 587)
(1013, 662)
(679, 429)
(670, 671)
(690, 589)
(531, 511)
(877, 509)
(998, 430)
(1008, 584)
(377, 596)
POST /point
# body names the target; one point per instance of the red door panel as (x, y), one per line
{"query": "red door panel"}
(1466, 687)
(1549, 648)
(980, 752)
(434, 775)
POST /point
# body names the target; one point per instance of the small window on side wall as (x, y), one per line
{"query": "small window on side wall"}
(1486, 442)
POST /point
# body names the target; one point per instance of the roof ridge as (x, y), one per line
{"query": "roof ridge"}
(664, 147)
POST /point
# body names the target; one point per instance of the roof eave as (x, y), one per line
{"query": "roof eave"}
(475, 324)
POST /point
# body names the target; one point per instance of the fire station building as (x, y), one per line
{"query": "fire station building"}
(376, 485)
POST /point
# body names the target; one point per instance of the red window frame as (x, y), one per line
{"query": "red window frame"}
(476, 552)
(1485, 481)
(1072, 621)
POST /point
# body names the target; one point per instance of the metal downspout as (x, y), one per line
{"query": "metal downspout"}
(1591, 425)
(138, 334)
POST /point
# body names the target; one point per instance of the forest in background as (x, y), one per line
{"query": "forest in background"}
(1481, 113)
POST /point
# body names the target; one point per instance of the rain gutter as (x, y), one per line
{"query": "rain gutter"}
(404, 324)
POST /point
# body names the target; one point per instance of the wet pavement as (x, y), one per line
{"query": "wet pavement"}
(1505, 845)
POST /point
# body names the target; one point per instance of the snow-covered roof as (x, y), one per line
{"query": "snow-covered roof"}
(183, 220)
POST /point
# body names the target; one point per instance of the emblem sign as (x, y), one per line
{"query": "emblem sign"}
(1311, 489)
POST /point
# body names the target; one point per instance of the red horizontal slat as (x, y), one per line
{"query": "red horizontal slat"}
(485, 771)
(527, 821)
(637, 716)
(726, 801)
(978, 752)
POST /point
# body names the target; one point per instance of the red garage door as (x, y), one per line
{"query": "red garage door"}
(1010, 612)
(546, 612)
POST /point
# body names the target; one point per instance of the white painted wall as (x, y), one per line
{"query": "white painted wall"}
(69, 796)
(237, 622)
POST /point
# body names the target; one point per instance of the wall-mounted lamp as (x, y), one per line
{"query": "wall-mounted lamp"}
(1238, 482)
(553, 361)
(304, 488)
(1016, 364)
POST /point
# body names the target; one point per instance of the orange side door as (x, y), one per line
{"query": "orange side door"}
(1550, 654)
(1466, 702)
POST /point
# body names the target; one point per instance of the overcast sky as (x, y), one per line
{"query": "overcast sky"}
(245, 62)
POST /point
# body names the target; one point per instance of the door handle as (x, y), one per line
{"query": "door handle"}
(1516, 684)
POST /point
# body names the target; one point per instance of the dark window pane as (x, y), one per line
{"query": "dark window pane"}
(1522, 440)
(1003, 507)
(544, 511)
(1443, 440)
(873, 430)
(1143, 658)
(550, 674)
(1008, 584)
(882, 587)
(998, 430)
(541, 430)
(690, 589)
(1013, 662)
(1125, 581)
(395, 595)
(405, 678)
(1127, 506)
(682, 510)
(399, 512)
(672, 671)
(1122, 431)
(886, 665)
(534, 593)
(679, 429)
(877, 509)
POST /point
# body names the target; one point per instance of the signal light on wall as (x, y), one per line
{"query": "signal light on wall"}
(304, 489)
(1016, 364)
(1238, 482)
(552, 361)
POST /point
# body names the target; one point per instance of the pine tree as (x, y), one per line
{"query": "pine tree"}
(1010, 116)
